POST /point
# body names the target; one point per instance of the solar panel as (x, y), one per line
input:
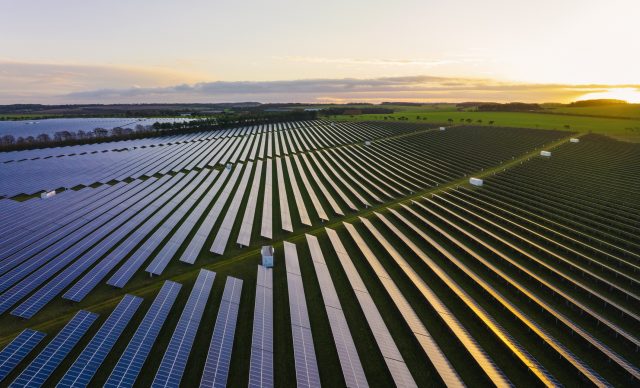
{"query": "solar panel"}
(266, 229)
(386, 344)
(310, 191)
(177, 353)
(220, 242)
(88, 362)
(307, 374)
(297, 195)
(347, 354)
(37, 373)
(17, 350)
(437, 357)
(244, 236)
(126, 371)
(216, 368)
(285, 215)
(261, 364)
(191, 252)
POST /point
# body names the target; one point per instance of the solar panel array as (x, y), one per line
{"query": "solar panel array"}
(88, 362)
(394, 360)
(41, 368)
(349, 360)
(307, 374)
(261, 364)
(437, 357)
(177, 353)
(18, 349)
(540, 250)
(216, 368)
(126, 371)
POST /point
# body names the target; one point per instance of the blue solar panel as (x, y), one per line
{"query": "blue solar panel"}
(37, 373)
(126, 371)
(261, 365)
(17, 350)
(216, 369)
(86, 365)
(177, 353)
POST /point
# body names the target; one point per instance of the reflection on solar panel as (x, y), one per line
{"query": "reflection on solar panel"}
(446, 371)
(220, 242)
(37, 373)
(304, 353)
(297, 195)
(244, 237)
(261, 366)
(177, 353)
(88, 362)
(486, 363)
(312, 194)
(285, 215)
(216, 368)
(191, 252)
(267, 207)
(349, 360)
(323, 189)
(399, 371)
(18, 349)
(126, 371)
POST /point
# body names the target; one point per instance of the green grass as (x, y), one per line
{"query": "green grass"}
(622, 129)
(629, 110)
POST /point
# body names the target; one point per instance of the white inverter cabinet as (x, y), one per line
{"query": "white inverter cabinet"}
(476, 181)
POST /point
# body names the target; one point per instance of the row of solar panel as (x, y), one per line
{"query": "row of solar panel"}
(128, 367)
(33, 176)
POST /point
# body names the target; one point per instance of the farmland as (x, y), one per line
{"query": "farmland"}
(389, 267)
(624, 129)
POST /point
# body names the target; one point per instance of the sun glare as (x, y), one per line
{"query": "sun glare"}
(631, 95)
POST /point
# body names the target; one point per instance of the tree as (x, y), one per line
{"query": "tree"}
(567, 126)
(450, 121)
(479, 121)
(43, 138)
(469, 121)
(491, 122)
(8, 139)
(100, 132)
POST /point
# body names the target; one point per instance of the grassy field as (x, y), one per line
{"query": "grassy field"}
(629, 111)
(622, 129)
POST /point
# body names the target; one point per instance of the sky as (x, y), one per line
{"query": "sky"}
(135, 51)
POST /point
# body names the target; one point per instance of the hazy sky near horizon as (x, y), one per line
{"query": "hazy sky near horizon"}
(301, 50)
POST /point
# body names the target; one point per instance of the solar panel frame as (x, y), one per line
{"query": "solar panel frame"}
(261, 372)
(216, 368)
(86, 365)
(307, 374)
(177, 352)
(41, 368)
(393, 359)
(132, 359)
(17, 350)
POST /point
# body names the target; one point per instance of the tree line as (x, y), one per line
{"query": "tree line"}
(99, 135)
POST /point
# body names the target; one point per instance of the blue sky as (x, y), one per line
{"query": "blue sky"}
(285, 50)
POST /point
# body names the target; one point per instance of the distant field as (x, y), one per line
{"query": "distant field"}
(622, 129)
(631, 110)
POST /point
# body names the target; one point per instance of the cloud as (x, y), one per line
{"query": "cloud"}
(28, 82)
(411, 88)
(61, 84)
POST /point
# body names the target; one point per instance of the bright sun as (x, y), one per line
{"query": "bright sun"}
(631, 95)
